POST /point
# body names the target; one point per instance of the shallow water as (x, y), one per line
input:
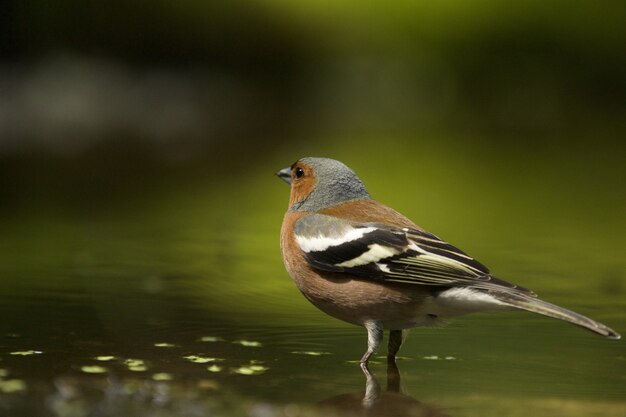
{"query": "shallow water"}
(180, 306)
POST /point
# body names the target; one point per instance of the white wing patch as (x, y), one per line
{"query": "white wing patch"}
(375, 253)
(321, 243)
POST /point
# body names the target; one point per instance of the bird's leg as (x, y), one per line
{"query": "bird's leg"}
(374, 339)
(396, 338)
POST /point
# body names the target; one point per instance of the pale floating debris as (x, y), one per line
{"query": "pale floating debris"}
(3, 373)
(201, 359)
(162, 376)
(12, 385)
(254, 367)
(310, 353)
(251, 370)
(248, 343)
(164, 345)
(214, 368)
(136, 365)
(94, 369)
(105, 358)
(437, 358)
(26, 352)
(211, 339)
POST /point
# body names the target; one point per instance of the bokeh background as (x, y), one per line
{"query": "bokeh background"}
(476, 119)
(138, 143)
(106, 101)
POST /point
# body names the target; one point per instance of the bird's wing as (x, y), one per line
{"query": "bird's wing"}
(390, 254)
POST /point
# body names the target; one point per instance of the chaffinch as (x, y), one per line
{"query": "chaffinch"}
(364, 263)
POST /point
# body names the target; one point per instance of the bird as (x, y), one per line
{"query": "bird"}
(363, 262)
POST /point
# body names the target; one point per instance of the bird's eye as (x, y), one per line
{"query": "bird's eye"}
(299, 173)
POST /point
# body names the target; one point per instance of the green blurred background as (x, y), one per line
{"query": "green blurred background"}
(483, 121)
(101, 101)
(138, 143)
(474, 118)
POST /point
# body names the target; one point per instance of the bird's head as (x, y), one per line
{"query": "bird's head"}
(318, 183)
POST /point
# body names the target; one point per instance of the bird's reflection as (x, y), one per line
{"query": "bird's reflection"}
(374, 402)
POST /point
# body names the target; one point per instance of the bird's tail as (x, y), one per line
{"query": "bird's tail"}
(535, 305)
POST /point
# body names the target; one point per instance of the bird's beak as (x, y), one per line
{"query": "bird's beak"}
(285, 175)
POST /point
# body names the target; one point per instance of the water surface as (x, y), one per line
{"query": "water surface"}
(179, 306)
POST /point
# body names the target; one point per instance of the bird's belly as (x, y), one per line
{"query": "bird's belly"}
(354, 301)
